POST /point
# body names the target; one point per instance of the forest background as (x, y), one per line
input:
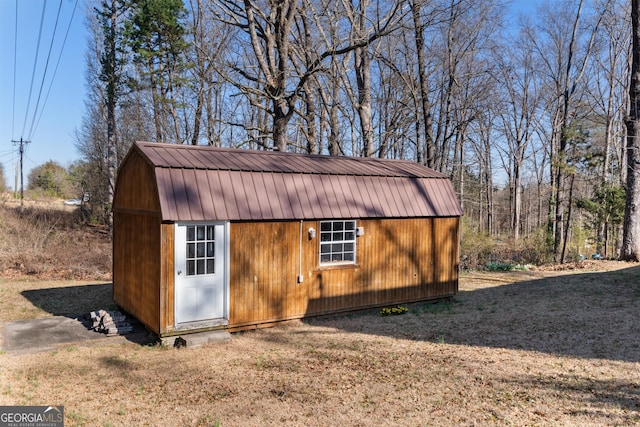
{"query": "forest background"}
(527, 117)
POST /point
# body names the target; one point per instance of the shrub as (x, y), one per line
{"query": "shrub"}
(390, 311)
(499, 266)
(481, 251)
(52, 243)
(476, 249)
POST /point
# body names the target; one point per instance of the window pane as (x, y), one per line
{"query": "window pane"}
(210, 232)
(191, 250)
(200, 250)
(337, 241)
(191, 233)
(210, 249)
(200, 266)
(210, 266)
(201, 232)
(191, 268)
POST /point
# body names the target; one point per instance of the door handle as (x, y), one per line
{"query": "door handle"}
(179, 272)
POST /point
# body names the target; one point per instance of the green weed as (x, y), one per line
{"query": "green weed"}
(390, 311)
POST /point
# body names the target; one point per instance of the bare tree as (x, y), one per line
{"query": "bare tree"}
(608, 88)
(631, 235)
(519, 113)
(565, 53)
(426, 156)
(272, 31)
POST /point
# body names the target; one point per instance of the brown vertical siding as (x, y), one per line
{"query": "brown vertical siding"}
(167, 280)
(136, 273)
(137, 243)
(397, 261)
(136, 187)
(262, 272)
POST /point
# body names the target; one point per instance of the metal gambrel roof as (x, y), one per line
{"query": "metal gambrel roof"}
(200, 183)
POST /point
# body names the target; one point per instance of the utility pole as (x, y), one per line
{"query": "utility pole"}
(21, 145)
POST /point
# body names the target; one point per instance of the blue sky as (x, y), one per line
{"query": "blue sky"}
(51, 126)
(51, 121)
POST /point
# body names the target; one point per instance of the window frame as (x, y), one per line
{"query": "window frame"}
(335, 240)
(208, 255)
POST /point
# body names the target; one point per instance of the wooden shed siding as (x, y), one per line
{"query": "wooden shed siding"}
(136, 187)
(167, 281)
(137, 273)
(263, 259)
(397, 260)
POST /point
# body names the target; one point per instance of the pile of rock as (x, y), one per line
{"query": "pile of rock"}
(109, 322)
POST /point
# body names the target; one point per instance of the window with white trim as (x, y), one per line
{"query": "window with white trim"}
(200, 250)
(337, 242)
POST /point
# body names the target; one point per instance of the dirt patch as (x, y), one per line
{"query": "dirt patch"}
(513, 348)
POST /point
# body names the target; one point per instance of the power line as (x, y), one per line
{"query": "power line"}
(55, 71)
(33, 73)
(44, 73)
(15, 64)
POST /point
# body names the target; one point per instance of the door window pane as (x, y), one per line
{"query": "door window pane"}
(200, 249)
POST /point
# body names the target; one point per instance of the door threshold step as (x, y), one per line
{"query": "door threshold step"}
(197, 339)
(201, 324)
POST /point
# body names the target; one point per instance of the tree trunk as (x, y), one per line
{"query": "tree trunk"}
(201, 83)
(111, 68)
(427, 120)
(310, 119)
(363, 79)
(631, 232)
(517, 198)
(157, 109)
(307, 91)
(567, 222)
(489, 186)
(281, 119)
(334, 123)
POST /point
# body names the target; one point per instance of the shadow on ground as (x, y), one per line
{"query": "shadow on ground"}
(72, 300)
(70, 307)
(589, 315)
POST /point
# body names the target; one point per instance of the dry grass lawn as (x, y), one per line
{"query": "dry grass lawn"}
(517, 348)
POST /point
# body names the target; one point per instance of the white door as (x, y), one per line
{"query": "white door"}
(200, 276)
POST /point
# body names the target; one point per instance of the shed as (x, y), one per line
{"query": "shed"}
(207, 238)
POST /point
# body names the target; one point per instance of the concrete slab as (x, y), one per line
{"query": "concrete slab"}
(36, 335)
(198, 339)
